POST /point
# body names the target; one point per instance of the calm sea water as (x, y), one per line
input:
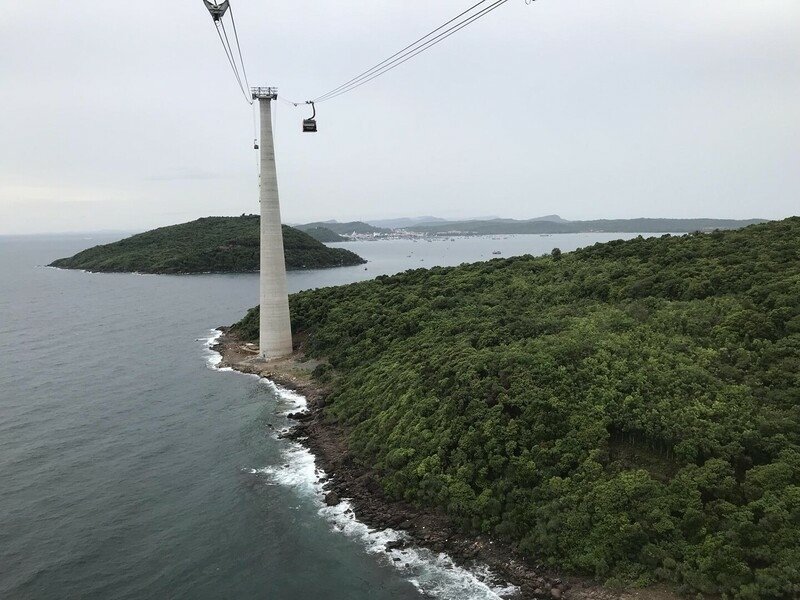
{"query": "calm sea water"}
(131, 468)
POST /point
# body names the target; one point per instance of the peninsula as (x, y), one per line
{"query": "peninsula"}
(627, 412)
(207, 245)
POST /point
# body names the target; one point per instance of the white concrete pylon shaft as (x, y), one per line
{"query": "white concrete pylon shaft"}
(275, 335)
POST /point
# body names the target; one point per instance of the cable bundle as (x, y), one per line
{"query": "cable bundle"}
(217, 13)
(473, 13)
(457, 23)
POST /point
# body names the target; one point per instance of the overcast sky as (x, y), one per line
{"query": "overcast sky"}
(125, 115)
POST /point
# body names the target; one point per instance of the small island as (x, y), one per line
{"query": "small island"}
(207, 245)
(626, 412)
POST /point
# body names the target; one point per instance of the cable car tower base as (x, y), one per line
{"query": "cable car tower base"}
(275, 334)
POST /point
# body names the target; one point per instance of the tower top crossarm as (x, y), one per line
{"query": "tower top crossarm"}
(265, 93)
(217, 10)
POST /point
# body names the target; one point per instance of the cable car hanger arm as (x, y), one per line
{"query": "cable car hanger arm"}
(217, 10)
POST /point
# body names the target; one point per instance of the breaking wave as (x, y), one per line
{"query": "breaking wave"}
(434, 574)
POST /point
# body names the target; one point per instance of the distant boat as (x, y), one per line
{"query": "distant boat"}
(497, 252)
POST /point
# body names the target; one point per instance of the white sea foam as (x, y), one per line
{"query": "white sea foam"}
(213, 358)
(434, 574)
(290, 400)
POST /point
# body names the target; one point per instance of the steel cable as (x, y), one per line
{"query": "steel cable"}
(238, 46)
(229, 52)
(404, 55)
(373, 69)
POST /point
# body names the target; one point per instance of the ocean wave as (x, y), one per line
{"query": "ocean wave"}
(433, 574)
(212, 357)
(291, 401)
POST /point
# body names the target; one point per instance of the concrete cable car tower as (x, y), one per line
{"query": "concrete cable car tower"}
(275, 334)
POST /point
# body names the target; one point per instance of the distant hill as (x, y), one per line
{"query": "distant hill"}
(208, 245)
(553, 218)
(538, 225)
(402, 222)
(325, 235)
(543, 225)
(343, 228)
(413, 222)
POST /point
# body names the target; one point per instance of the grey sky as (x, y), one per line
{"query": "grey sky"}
(124, 115)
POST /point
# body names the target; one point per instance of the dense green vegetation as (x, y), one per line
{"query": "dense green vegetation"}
(324, 235)
(344, 228)
(558, 225)
(630, 410)
(208, 245)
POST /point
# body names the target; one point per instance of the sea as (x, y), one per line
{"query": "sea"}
(131, 466)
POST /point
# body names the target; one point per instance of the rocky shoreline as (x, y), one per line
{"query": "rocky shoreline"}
(347, 479)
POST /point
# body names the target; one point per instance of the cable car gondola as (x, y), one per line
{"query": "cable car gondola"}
(310, 125)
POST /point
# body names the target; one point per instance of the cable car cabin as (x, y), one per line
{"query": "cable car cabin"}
(310, 125)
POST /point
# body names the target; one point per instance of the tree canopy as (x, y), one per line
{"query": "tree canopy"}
(630, 410)
(343, 228)
(324, 235)
(555, 224)
(208, 245)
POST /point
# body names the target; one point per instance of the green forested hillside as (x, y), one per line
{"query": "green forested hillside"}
(343, 228)
(324, 235)
(211, 244)
(541, 225)
(630, 410)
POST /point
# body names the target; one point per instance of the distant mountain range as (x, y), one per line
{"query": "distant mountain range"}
(544, 225)
(539, 225)
(411, 222)
(404, 222)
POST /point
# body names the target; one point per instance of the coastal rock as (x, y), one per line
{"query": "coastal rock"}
(395, 545)
(370, 484)
(393, 520)
(300, 416)
(332, 499)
